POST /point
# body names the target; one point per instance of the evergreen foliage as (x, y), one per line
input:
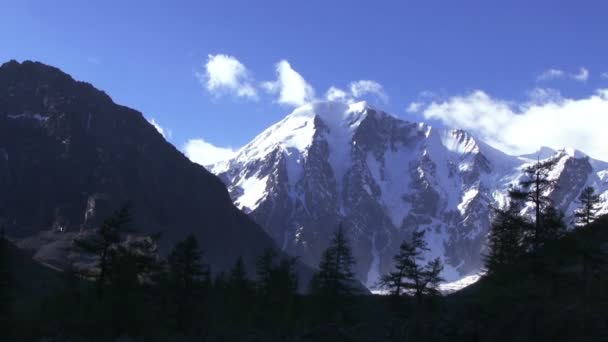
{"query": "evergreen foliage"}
(100, 244)
(410, 276)
(333, 284)
(335, 277)
(188, 278)
(587, 212)
(534, 188)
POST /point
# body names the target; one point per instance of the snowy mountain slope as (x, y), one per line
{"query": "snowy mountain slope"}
(383, 177)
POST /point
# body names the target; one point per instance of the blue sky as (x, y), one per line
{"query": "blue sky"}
(508, 57)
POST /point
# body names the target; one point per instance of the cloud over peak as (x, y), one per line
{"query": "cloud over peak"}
(224, 74)
(363, 87)
(523, 127)
(357, 89)
(290, 86)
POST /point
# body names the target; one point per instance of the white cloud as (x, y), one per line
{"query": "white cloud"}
(165, 133)
(551, 74)
(582, 75)
(357, 89)
(414, 107)
(201, 152)
(523, 128)
(337, 94)
(225, 74)
(604, 75)
(292, 88)
(362, 87)
(544, 95)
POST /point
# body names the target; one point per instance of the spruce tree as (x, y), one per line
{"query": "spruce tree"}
(506, 240)
(130, 269)
(101, 244)
(534, 188)
(239, 282)
(264, 269)
(587, 212)
(335, 277)
(187, 276)
(240, 294)
(553, 224)
(410, 276)
(277, 287)
(332, 287)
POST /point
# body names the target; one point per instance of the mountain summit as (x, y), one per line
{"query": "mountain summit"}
(69, 156)
(382, 177)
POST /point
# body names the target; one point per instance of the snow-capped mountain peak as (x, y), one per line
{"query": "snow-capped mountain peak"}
(382, 177)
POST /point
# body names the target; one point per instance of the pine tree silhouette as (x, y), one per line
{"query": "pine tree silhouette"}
(587, 212)
(240, 294)
(187, 276)
(101, 244)
(506, 240)
(336, 276)
(333, 284)
(277, 287)
(409, 275)
(533, 188)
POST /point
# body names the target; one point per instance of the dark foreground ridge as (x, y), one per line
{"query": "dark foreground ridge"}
(70, 156)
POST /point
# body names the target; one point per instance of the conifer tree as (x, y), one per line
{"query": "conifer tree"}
(553, 224)
(534, 188)
(587, 212)
(240, 293)
(264, 269)
(187, 276)
(409, 275)
(101, 244)
(277, 287)
(239, 281)
(131, 265)
(506, 240)
(335, 277)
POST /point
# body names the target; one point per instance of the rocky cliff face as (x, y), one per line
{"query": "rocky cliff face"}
(69, 156)
(383, 177)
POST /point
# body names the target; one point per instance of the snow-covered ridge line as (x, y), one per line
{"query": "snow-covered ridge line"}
(382, 177)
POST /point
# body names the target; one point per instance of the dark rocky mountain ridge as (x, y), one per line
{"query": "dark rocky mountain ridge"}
(69, 156)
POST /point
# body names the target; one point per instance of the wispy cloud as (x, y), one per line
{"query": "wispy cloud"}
(225, 74)
(604, 75)
(165, 133)
(414, 107)
(582, 75)
(337, 94)
(363, 87)
(553, 74)
(543, 95)
(357, 90)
